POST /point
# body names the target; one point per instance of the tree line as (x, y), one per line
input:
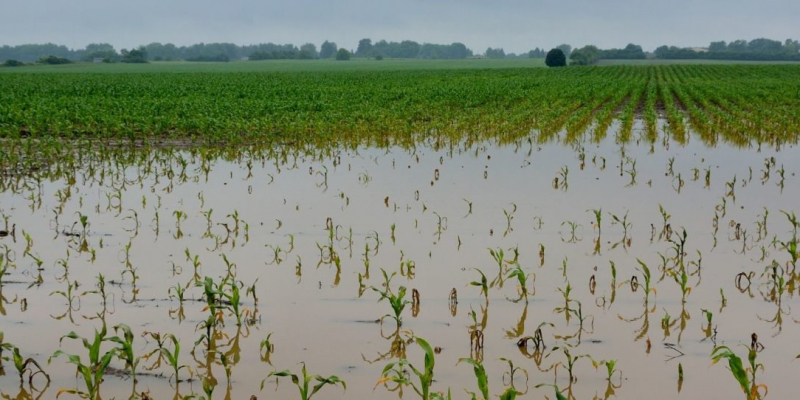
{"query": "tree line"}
(757, 49)
(754, 50)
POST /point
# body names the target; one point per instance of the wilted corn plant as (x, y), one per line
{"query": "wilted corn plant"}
(21, 365)
(306, 390)
(745, 376)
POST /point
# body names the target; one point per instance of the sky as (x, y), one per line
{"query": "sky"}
(515, 25)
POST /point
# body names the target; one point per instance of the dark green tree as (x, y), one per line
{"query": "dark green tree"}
(555, 58)
(587, 55)
(364, 48)
(327, 50)
(342, 55)
(308, 50)
(135, 56)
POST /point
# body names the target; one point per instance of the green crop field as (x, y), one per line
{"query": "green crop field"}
(280, 66)
(740, 104)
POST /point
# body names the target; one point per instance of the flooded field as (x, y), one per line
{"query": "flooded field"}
(608, 270)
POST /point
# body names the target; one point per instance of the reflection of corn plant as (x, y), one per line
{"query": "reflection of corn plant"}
(305, 388)
(92, 372)
(746, 376)
(397, 301)
(22, 365)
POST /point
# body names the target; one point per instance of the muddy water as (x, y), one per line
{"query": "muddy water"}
(449, 207)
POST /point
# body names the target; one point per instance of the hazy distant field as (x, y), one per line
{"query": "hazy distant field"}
(284, 65)
(693, 62)
(331, 65)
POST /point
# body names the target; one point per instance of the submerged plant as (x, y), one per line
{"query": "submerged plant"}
(745, 376)
(396, 300)
(95, 367)
(306, 390)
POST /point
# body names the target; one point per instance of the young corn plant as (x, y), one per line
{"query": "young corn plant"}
(396, 301)
(483, 284)
(483, 382)
(93, 371)
(22, 365)
(522, 279)
(172, 358)
(125, 350)
(307, 391)
(397, 373)
(745, 376)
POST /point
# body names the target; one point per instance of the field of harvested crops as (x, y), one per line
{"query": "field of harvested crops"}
(585, 233)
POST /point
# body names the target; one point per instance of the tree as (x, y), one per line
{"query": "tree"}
(308, 50)
(566, 49)
(498, 53)
(135, 56)
(364, 48)
(327, 50)
(555, 58)
(13, 63)
(342, 55)
(587, 55)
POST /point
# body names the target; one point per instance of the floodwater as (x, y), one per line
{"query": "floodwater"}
(448, 206)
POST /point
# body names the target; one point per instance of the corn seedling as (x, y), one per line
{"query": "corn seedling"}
(745, 376)
(171, 357)
(93, 371)
(396, 301)
(307, 391)
(396, 372)
(22, 365)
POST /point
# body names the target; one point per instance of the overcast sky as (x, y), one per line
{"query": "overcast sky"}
(515, 25)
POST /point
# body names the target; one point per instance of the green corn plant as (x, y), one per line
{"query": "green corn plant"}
(172, 358)
(570, 361)
(483, 284)
(396, 301)
(21, 364)
(522, 279)
(745, 376)
(93, 371)
(396, 372)
(611, 368)
(480, 376)
(306, 390)
(125, 350)
(559, 395)
(499, 257)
